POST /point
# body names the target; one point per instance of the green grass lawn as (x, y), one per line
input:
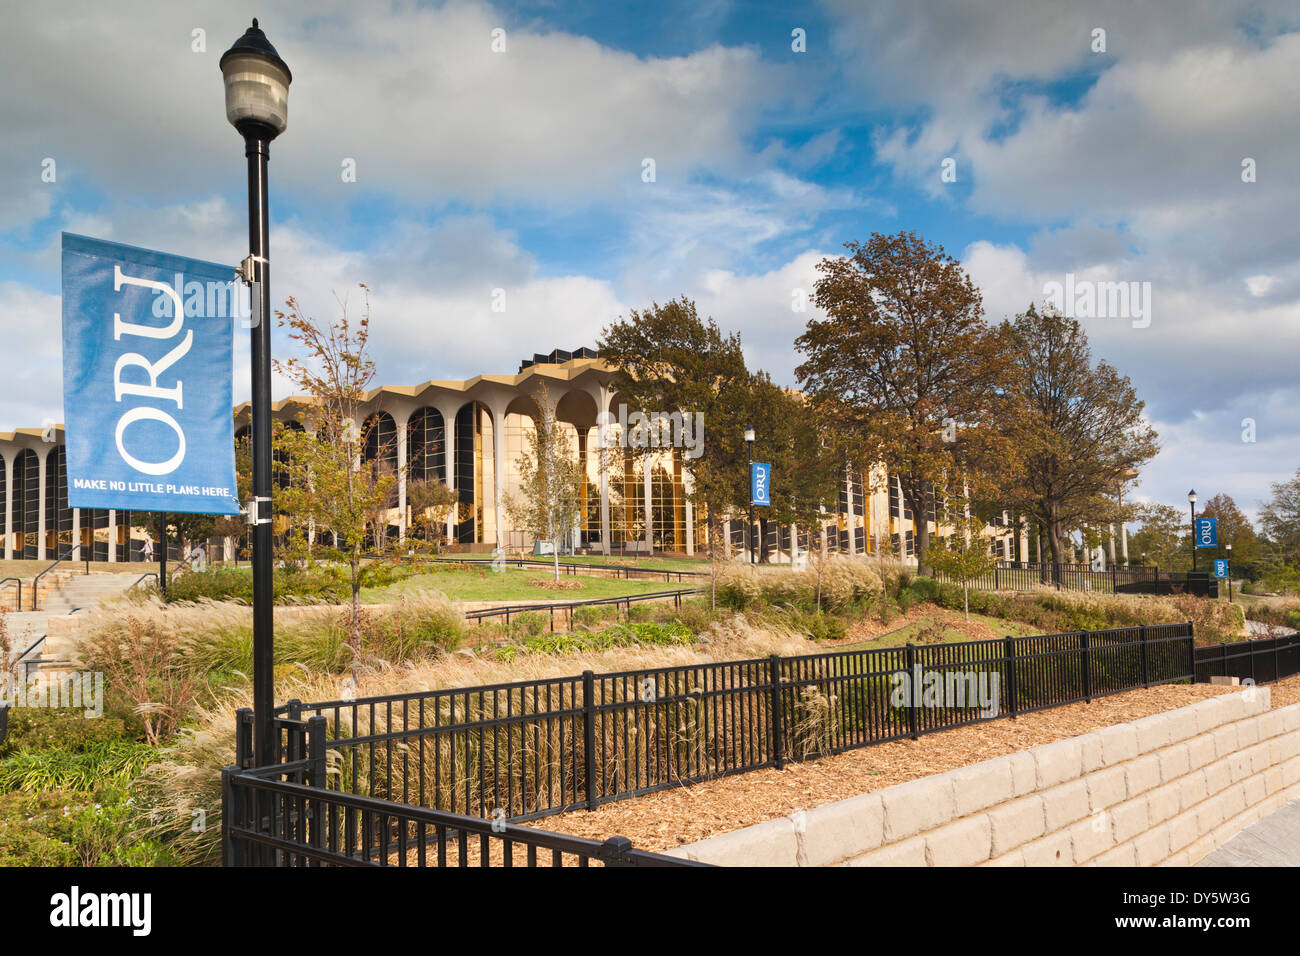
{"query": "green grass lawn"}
(512, 584)
(908, 632)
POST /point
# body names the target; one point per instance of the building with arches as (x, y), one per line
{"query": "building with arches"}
(470, 435)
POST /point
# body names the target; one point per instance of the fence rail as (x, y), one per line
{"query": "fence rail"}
(568, 607)
(1261, 661)
(529, 749)
(277, 819)
(1117, 579)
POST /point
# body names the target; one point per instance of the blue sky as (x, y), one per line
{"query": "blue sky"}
(521, 170)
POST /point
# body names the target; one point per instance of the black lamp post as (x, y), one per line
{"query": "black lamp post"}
(1228, 548)
(1191, 500)
(749, 440)
(257, 92)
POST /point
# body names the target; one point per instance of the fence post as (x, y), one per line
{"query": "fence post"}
(229, 854)
(778, 741)
(316, 730)
(614, 851)
(589, 734)
(1142, 641)
(910, 663)
(995, 577)
(1009, 649)
(244, 738)
(1087, 667)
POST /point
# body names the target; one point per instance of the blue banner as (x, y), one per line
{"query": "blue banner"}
(760, 491)
(1220, 568)
(1207, 532)
(147, 366)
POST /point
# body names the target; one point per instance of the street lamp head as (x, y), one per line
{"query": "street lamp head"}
(749, 433)
(1229, 547)
(1191, 496)
(257, 85)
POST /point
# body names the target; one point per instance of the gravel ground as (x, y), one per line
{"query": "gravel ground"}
(664, 820)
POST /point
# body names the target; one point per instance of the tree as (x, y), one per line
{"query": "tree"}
(806, 467)
(430, 501)
(329, 486)
(904, 367)
(1280, 519)
(963, 555)
(1235, 529)
(1161, 537)
(551, 479)
(667, 359)
(1076, 429)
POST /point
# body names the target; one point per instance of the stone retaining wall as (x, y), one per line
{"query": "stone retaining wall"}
(1167, 789)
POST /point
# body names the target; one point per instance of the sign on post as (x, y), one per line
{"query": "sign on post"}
(148, 360)
(1207, 532)
(1220, 568)
(759, 487)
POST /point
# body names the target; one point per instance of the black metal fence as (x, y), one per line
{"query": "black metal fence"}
(1117, 579)
(1261, 661)
(286, 815)
(524, 750)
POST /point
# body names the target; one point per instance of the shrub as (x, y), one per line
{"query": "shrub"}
(530, 624)
(844, 584)
(45, 728)
(82, 770)
(58, 828)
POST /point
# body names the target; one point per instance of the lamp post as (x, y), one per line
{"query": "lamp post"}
(257, 92)
(1191, 500)
(1228, 547)
(749, 440)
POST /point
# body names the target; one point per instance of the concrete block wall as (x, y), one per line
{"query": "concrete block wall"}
(1163, 790)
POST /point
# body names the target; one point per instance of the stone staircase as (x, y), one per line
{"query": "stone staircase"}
(55, 620)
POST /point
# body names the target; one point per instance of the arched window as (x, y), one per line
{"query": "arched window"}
(58, 516)
(425, 445)
(25, 515)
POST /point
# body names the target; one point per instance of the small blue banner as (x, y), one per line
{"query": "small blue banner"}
(760, 491)
(1220, 568)
(1207, 532)
(148, 358)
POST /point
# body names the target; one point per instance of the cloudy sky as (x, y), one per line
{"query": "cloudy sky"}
(777, 133)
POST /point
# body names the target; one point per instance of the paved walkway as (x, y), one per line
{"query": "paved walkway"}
(1273, 841)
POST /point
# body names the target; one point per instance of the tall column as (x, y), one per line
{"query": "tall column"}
(498, 470)
(401, 476)
(648, 484)
(690, 529)
(112, 535)
(81, 553)
(1111, 526)
(449, 466)
(848, 518)
(602, 440)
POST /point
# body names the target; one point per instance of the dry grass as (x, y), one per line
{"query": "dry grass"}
(668, 819)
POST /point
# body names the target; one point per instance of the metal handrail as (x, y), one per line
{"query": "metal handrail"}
(19, 582)
(627, 600)
(57, 562)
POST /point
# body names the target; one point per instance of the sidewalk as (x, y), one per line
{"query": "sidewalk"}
(1273, 841)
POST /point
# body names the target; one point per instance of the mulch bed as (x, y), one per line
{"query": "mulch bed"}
(668, 819)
